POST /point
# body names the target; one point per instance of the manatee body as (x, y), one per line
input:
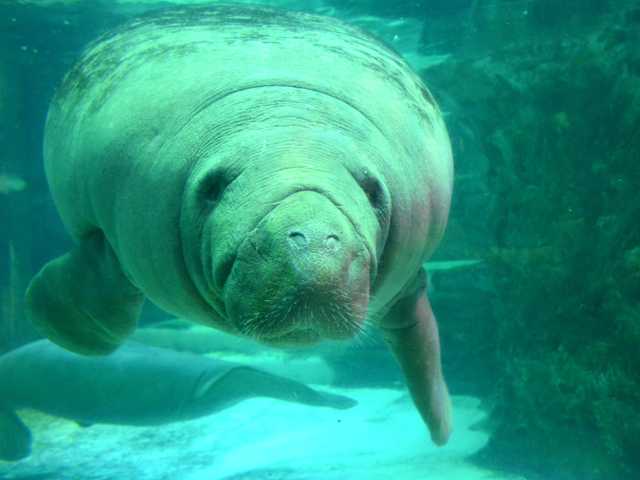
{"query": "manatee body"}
(277, 175)
(136, 385)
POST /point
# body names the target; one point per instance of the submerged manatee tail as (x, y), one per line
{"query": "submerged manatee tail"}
(246, 382)
(15, 437)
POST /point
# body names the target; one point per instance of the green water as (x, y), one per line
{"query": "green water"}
(535, 284)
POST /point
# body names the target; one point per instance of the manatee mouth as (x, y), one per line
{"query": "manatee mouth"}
(306, 318)
(301, 275)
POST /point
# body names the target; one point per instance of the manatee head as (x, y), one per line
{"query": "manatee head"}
(290, 250)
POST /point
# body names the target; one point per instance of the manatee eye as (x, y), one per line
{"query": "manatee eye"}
(373, 189)
(212, 187)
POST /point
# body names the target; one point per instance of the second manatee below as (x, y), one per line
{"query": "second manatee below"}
(135, 385)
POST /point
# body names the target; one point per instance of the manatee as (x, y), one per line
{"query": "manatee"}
(276, 175)
(135, 385)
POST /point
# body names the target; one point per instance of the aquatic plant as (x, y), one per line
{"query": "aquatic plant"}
(8, 307)
(560, 125)
(14, 329)
(6, 319)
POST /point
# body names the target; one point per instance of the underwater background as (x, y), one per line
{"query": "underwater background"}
(536, 284)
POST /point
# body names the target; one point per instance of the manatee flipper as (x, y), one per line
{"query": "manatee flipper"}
(411, 331)
(242, 383)
(15, 437)
(83, 301)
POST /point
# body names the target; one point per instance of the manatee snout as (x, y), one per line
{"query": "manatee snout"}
(303, 274)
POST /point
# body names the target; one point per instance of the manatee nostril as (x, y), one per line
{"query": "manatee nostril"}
(298, 239)
(332, 242)
(301, 241)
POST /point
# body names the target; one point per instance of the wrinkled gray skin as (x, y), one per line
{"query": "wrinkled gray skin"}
(135, 385)
(276, 175)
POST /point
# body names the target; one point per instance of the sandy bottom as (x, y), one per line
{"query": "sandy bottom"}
(263, 439)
